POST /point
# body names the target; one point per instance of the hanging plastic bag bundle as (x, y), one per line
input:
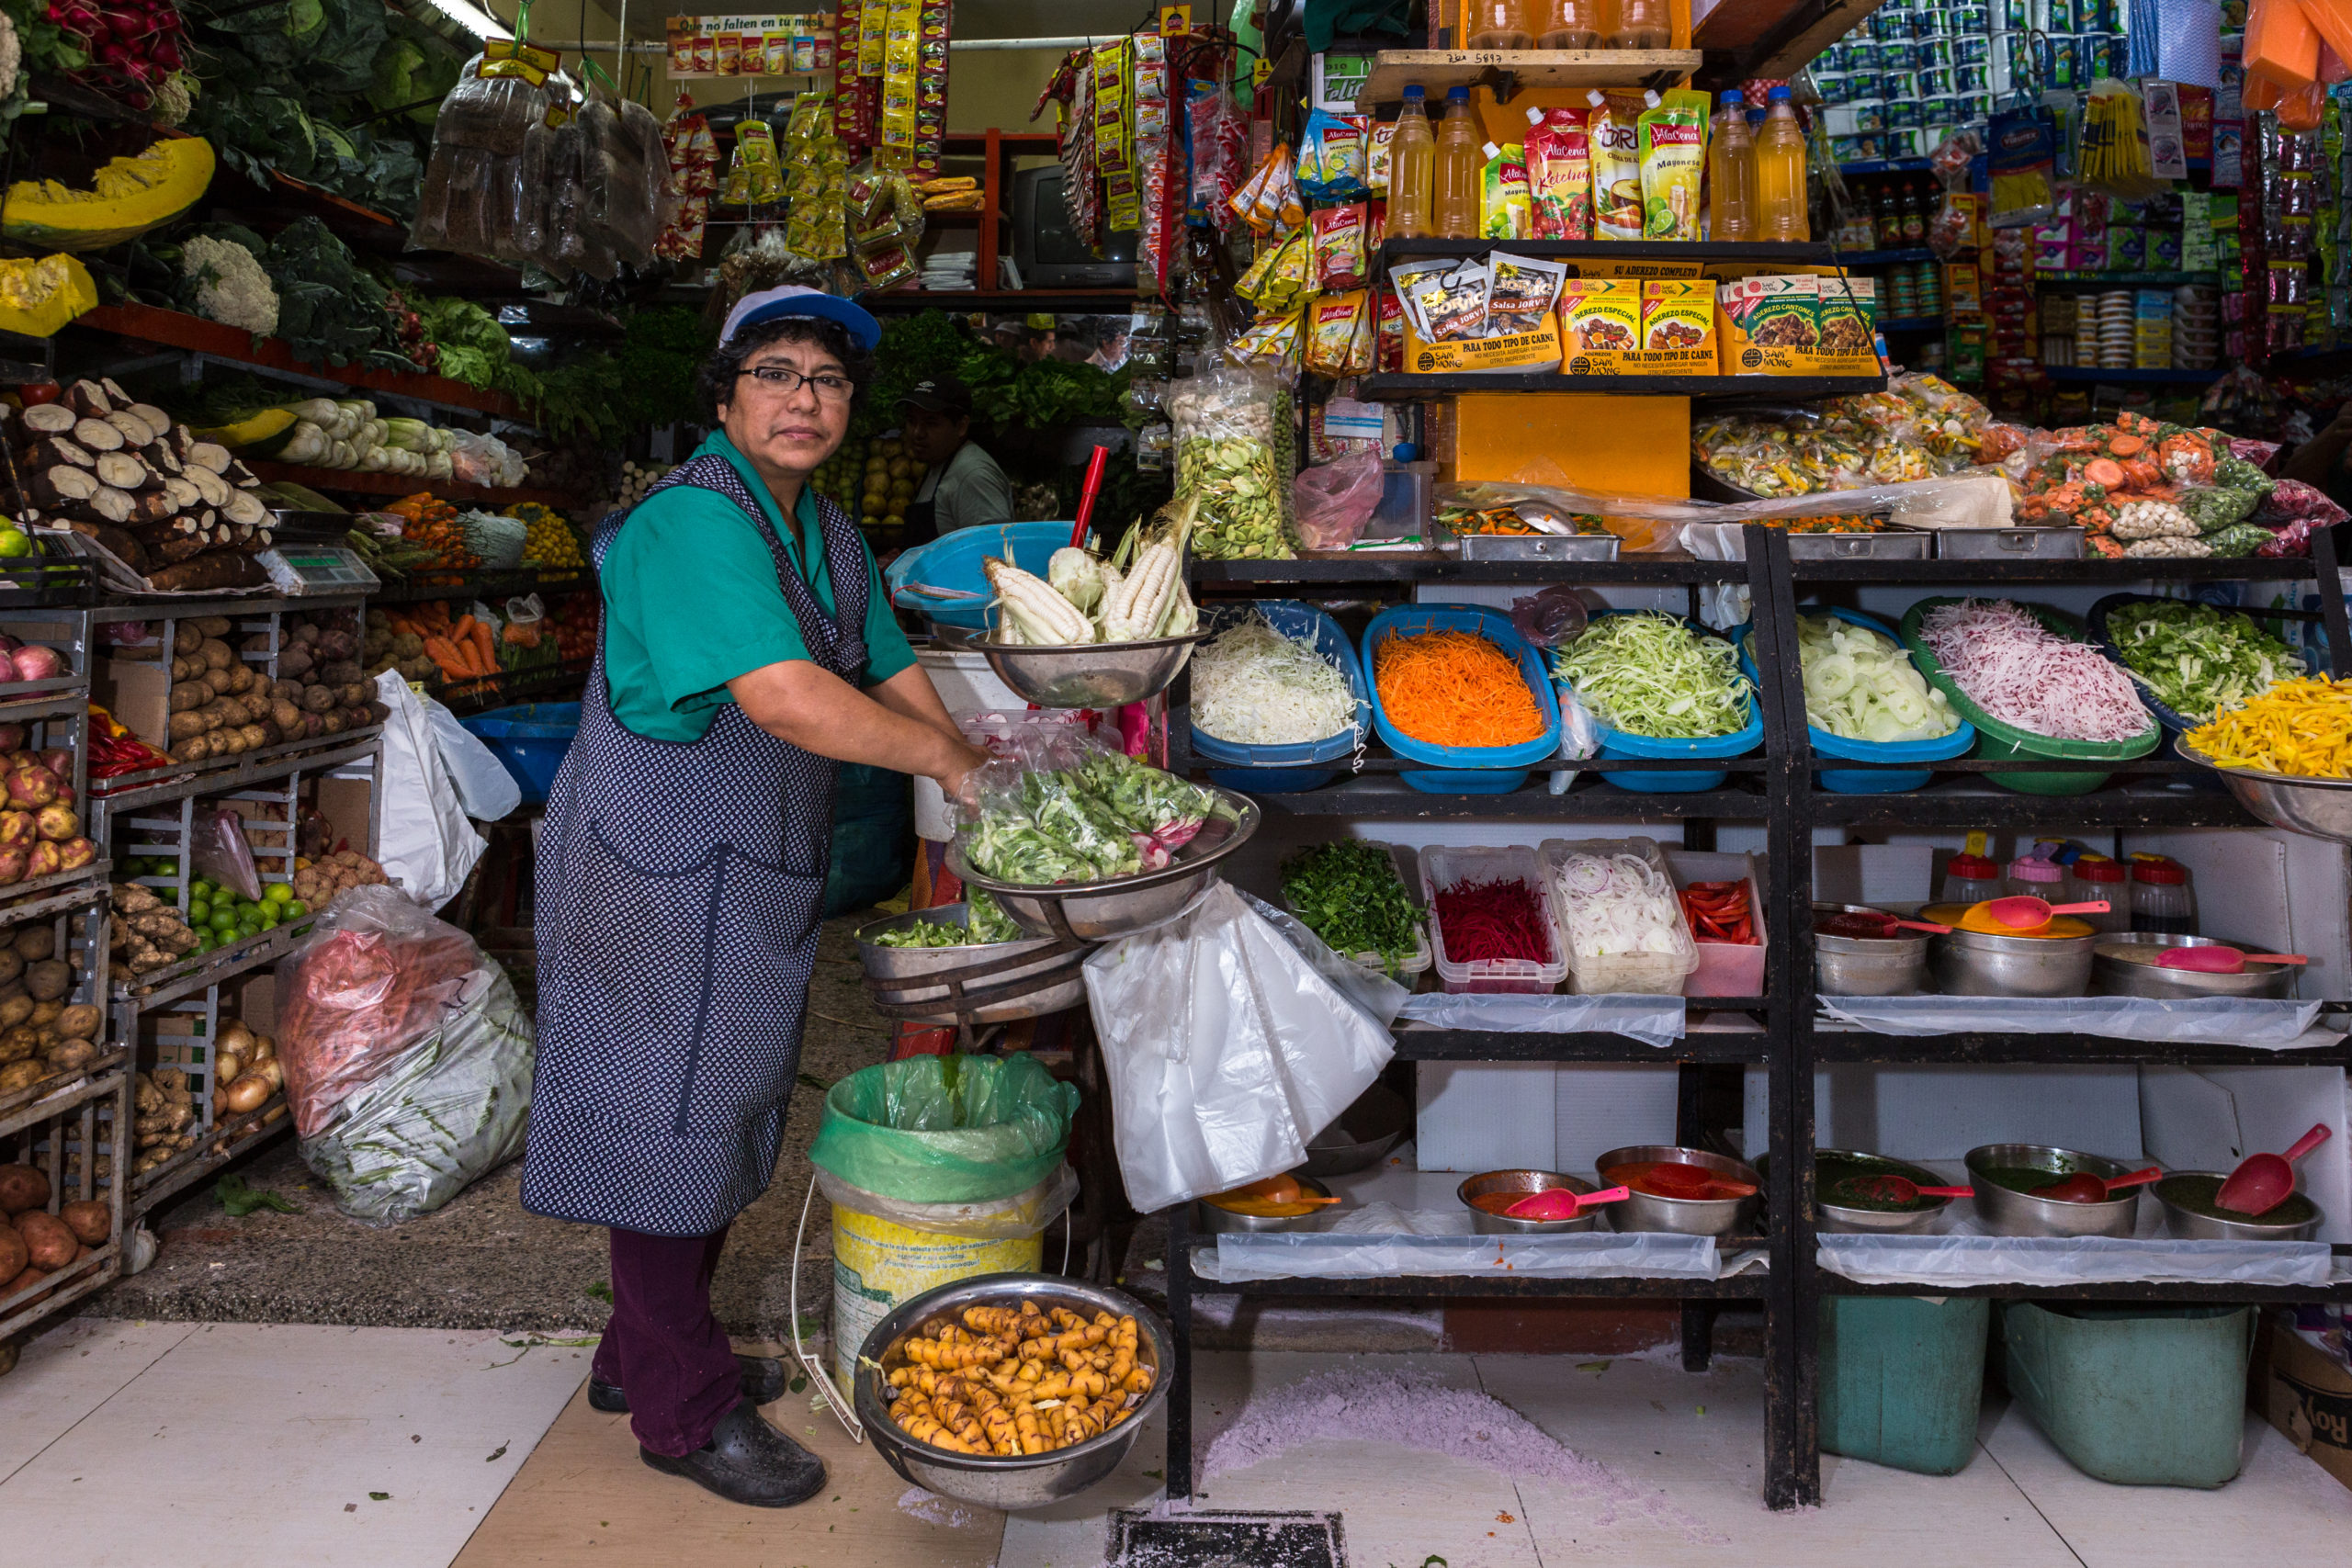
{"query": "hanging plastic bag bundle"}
(467, 201)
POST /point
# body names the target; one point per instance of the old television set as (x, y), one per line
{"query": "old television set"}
(1046, 250)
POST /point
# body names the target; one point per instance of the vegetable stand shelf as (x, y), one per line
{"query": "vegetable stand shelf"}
(1402, 387)
(66, 1136)
(360, 481)
(486, 583)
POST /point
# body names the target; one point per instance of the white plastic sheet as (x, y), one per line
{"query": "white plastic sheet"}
(1653, 1021)
(425, 843)
(1335, 1254)
(485, 788)
(2263, 1022)
(1956, 1260)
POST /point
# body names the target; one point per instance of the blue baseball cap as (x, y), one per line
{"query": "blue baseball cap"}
(792, 299)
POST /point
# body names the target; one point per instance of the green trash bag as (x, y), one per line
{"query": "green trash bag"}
(945, 1129)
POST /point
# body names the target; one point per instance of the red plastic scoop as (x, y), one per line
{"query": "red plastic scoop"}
(2025, 912)
(2220, 961)
(2262, 1182)
(1891, 1190)
(1559, 1204)
(2084, 1188)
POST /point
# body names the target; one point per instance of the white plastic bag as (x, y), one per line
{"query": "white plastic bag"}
(485, 788)
(1227, 1050)
(426, 845)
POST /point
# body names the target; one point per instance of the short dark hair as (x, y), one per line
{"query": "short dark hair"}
(724, 365)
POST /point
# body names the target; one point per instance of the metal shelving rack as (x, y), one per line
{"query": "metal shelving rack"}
(1773, 787)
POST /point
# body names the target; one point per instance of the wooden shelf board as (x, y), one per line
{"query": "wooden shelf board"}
(1438, 69)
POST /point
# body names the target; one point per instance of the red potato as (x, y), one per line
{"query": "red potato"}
(57, 822)
(48, 1238)
(76, 853)
(23, 1187)
(13, 865)
(44, 861)
(31, 787)
(18, 829)
(89, 1219)
(14, 1254)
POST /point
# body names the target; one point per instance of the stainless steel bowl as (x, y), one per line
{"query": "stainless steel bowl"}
(2190, 1225)
(987, 1480)
(1088, 674)
(2125, 964)
(1867, 966)
(901, 973)
(1970, 964)
(1365, 1132)
(1686, 1216)
(1837, 1220)
(2321, 808)
(1101, 911)
(2007, 1213)
(1521, 1182)
(1207, 1217)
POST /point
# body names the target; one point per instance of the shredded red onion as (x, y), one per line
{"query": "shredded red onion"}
(2012, 666)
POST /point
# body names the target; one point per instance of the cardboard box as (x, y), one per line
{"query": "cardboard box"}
(1538, 350)
(1601, 326)
(1640, 270)
(1845, 327)
(344, 803)
(1768, 326)
(1672, 311)
(2305, 1393)
(138, 691)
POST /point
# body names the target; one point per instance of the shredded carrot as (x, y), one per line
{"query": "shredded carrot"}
(1455, 689)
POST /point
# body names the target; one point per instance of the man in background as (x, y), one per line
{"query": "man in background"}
(962, 486)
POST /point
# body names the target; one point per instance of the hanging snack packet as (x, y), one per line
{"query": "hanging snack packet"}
(1375, 225)
(1446, 300)
(1271, 340)
(1340, 248)
(1278, 208)
(1389, 331)
(1614, 129)
(1521, 292)
(1674, 156)
(1243, 202)
(1331, 332)
(1502, 194)
(1559, 175)
(1375, 160)
(1331, 157)
(1291, 280)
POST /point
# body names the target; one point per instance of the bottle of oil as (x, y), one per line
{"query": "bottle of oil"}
(1455, 202)
(1890, 218)
(1731, 172)
(1498, 24)
(1780, 172)
(1412, 154)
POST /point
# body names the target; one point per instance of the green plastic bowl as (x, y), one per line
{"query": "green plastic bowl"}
(1997, 741)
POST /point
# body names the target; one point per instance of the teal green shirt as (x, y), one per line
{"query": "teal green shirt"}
(692, 600)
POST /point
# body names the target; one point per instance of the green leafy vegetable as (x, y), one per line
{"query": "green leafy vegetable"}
(241, 1200)
(2199, 660)
(329, 310)
(658, 361)
(989, 923)
(1650, 674)
(1349, 894)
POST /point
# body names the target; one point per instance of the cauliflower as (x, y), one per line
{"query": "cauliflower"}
(12, 56)
(230, 285)
(175, 97)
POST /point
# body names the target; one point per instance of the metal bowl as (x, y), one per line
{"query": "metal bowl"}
(899, 974)
(988, 1481)
(1686, 1216)
(1365, 1132)
(1837, 1220)
(2125, 964)
(1867, 966)
(1524, 1181)
(2190, 1225)
(1210, 1219)
(2006, 1213)
(2321, 808)
(1971, 964)
(1101, 911)
(1085, 674)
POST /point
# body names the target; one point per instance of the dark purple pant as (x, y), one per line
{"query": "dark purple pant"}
(662, 1343)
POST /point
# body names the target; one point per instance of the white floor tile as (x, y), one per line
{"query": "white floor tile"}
(67, 1372)
(268, 1443)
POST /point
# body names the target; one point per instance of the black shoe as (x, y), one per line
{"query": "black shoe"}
(761, 1383)
(748, 1462)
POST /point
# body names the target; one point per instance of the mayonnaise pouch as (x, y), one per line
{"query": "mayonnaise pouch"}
(1559, 175)
(1502, 194)
(1674, 155)
(1615, 132)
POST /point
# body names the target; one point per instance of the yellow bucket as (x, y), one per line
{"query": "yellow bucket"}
(878, 1264)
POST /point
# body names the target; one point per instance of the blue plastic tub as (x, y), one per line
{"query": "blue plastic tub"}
(1279, 770)
(953, 562)
(1463, 770)
(1617, 743)
(1870, 781)
(531, 740)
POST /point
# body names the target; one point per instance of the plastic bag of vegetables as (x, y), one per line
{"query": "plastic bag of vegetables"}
(1066, 808)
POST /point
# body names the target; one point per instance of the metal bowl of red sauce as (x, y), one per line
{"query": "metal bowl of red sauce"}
(1690, 1191)
(1487, 1196)
(1854, 955)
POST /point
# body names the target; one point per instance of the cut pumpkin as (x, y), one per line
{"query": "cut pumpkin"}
(39, 297)
(131, 196)
(258, 434)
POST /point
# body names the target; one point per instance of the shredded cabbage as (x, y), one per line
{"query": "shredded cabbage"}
(1253, 686)
(1859, 686)
(1648, 673)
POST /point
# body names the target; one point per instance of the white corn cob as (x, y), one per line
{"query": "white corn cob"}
(1181, 618)
(1042, 617)
(1133, 610)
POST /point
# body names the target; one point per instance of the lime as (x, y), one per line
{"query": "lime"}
(15, 542)
(199, 912)
(296, 907)
(279, 893)
(269, 922)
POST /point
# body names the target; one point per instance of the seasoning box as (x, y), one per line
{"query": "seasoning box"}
(1767, 325)
(1846, 317)
(1601, 320)
(1678, 328)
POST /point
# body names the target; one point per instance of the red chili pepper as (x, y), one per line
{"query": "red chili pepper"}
(1720, 912)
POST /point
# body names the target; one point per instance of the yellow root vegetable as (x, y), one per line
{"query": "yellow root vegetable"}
(1018, 1380)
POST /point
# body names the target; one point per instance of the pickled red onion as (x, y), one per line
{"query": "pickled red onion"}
(2007, 663)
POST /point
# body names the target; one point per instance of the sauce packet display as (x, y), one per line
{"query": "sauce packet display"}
(1502, 194)
(1270, 340)
(1334, 321)
(1603, 314)
(1331, 161)
(1559, 175)
(1279, 277)
(1614, 130)
(1339, 247)
(1673, 141)
(1521, 291)
(1444, 300)
(1388, 353)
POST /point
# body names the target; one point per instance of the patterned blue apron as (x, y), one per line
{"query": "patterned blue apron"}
(680, 885)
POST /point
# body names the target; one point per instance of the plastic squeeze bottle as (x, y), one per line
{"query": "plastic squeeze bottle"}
(1459, 170)
(1780, 172)
(1498, 24)
(1412, 157)
(1731, 172)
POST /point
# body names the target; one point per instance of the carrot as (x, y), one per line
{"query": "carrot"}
(2125, 445)
(488, 649)
(1455, 689)
(444, 652)
(462, 633)
(2100, 471)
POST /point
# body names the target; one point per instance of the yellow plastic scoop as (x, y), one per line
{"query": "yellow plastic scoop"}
(1275, 1198)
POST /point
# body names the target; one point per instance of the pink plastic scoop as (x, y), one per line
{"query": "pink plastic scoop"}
(1559, 1204)
(2025, 912)
(2262, 1182)
(2084, 1188)
(2221, 960)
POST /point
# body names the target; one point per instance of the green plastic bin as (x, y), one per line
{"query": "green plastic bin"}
(2137, 1396)
(1902, 1378)
(1996, 741)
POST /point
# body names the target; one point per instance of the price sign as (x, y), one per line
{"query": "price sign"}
(1175, 21)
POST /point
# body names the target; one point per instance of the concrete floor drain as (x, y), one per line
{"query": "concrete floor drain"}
(1221, 1539)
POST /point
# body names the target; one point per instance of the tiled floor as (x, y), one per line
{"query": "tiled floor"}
(194, 1444)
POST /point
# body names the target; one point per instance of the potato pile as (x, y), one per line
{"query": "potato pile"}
(1015, 1381)
(40, 832)
(385, 648)
(166, 1111)
(40, 1036)
(321, 881)
(146, 934)
(219, 703)
(35, 1244)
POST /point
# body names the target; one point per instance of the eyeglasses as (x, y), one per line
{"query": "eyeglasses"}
(782, 379)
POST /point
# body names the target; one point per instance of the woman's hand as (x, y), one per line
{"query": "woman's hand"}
(962, 781)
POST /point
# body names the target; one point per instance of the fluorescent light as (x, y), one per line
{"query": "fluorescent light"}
(475, 20)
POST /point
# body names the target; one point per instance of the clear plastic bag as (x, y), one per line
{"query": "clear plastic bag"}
(475, 193)
(1549, 619)
(943, 1130)
(1229, 448)
(217, 847)
(1057, 806)
(1336, 501)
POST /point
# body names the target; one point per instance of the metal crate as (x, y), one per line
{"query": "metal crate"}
(1539, 547)
(67, 1135)
(1889, 544)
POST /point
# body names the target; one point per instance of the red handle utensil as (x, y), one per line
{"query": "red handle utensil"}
(1086, 494)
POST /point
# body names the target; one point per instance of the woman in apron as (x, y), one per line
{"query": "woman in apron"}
(747, 648)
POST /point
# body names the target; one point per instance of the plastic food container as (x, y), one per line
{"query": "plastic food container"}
(1281, 770)
(1998, 741)
(1409, 873)
(1726, 969)
(1620, 743)
(530, 739)
(2028, 878)
(1637, 974)
(2096, 879)
(2095, 621)
(2162, 900)
(951, 565)
(1444, 866)
(1869, 780)
(1971, 879)
(1459, 770)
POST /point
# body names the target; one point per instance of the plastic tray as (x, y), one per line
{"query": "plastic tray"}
(1641, 974)
(2097, 624)
(1446, 865)
(1457, 770)
(1869, 780)
(1409, 873)
(1997, 740)
(1282, 770)
(531, 740)
(1726, 969)
(952, 561)
(1620, 743)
